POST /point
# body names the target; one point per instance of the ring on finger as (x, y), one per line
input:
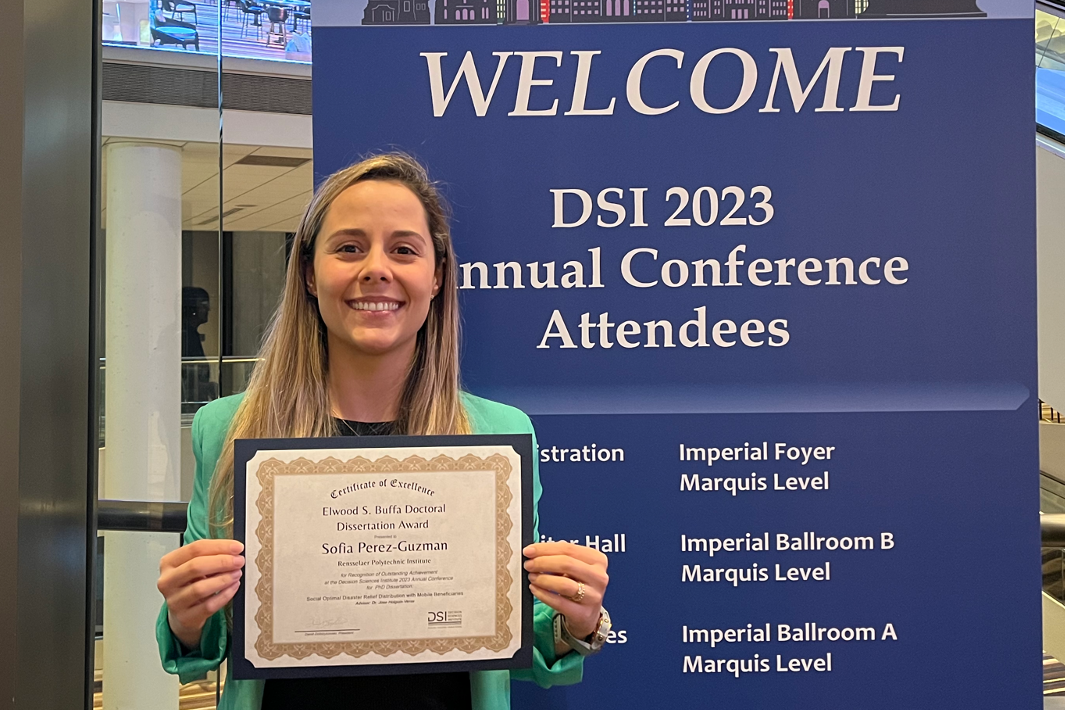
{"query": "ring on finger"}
(579, 596)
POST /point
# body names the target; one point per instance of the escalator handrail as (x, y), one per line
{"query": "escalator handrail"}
(1052, 529)
(141, 516)
(1056, 4)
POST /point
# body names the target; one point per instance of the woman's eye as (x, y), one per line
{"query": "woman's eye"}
(406, 251)
(347, 249)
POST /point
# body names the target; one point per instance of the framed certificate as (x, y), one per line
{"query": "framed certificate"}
(383, 554)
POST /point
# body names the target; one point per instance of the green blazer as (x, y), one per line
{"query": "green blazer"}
(490, 690)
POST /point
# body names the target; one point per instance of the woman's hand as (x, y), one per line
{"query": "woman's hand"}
(197, 580)
(556, 572)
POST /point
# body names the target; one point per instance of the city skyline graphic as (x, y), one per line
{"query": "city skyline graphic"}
(535, 12)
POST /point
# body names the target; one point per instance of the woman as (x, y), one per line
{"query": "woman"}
(364, 341)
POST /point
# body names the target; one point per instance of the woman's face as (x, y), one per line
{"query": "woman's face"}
(374, 272)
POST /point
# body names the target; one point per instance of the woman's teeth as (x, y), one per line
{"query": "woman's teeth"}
(372, 306)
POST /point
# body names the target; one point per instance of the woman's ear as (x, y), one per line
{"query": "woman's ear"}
(308, 277)
(438, 276)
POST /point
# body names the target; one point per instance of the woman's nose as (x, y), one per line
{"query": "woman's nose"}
(375, 267)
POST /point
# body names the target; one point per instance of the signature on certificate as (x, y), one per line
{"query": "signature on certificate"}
(323, 625)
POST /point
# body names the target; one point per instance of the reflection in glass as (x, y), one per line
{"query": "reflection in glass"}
(200, 299)
(1050, 71)
(254, 29)
(257, 265)
(172, 30)
(196, 384)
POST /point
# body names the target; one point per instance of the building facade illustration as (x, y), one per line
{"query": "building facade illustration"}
(465, 12)
(660, 10)
(823, 9)
(396, 12)
(738, 10)
(533, 12)
(521, 12)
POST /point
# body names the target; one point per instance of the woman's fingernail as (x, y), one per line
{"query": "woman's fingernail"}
(235, 575)
(237, 547)
(529, 549)
(528, 565)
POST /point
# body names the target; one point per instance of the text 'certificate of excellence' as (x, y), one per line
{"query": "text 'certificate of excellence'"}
(383, 554)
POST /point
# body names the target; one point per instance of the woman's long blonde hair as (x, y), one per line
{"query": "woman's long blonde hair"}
(287, 395)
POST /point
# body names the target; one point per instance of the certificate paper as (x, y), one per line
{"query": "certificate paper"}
(377, 555)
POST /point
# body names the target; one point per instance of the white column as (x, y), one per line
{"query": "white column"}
(1050, 263)
(142, 288)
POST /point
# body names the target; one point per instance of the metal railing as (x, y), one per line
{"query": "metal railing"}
(1049, 414)
(1052, 530)
(142, 516)
(145, 516)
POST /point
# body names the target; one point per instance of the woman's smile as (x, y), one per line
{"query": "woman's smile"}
(376, 306)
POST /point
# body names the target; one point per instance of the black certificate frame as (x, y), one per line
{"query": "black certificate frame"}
(246, 449)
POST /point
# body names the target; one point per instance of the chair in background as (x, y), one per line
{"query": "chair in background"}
(182, 8)
(249, 9)
(277, 16)
(227, 5)
(169, 31)
(301, 14)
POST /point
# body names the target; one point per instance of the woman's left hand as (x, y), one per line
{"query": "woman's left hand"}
(556, 572)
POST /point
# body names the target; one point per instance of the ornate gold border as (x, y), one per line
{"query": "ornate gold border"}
(264, 532)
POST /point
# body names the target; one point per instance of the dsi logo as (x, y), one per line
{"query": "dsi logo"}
(445, 619)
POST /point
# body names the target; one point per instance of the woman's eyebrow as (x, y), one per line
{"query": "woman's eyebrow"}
(400, 233)
(348, 232)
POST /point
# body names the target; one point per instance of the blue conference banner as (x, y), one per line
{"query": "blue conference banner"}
(767, 289)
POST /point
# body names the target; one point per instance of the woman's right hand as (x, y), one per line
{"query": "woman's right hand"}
(197, 580)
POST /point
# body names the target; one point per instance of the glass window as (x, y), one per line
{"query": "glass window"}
(253, 29)
(1050, 71)
(195, 232)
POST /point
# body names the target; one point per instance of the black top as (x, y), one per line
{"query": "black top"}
(429, 691)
